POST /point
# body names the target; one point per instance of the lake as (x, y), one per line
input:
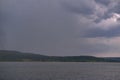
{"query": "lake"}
(59, 71)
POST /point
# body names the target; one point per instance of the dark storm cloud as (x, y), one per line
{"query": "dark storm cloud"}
(78, 6)
(116, 8)
(52, 26)
(1, 29)
(1, 38)
(97, 32)
(104, 2)
(102, 9)
(37, 26)
(105, 20)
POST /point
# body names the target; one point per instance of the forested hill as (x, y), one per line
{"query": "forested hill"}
(19, 56)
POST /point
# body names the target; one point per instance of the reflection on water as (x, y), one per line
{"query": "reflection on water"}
(59, 71)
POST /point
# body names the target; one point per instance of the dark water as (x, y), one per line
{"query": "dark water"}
(59, 71)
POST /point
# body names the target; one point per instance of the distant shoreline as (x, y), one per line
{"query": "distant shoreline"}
(15, 56)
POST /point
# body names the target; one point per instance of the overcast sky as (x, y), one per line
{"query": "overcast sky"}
(61, 27)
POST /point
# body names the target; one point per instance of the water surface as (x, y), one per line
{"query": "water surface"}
(59, 71)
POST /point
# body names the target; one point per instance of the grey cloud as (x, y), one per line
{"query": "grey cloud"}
(116, 8)
(104, 2)
(97, 32)
(78, 6)
(2, 34)
(37, 26)
(1, 38)
(48, 27)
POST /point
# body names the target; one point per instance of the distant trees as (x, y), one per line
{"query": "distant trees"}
(18, 56)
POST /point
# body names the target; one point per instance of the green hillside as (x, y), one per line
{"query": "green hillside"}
(19, 56)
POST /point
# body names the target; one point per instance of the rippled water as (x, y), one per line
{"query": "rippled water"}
(59, 71)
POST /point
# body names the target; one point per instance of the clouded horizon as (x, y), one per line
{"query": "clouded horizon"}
(61, 27)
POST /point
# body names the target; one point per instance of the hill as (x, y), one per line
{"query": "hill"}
(19, 56)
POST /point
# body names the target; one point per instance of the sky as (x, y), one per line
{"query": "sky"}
(61, 27)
